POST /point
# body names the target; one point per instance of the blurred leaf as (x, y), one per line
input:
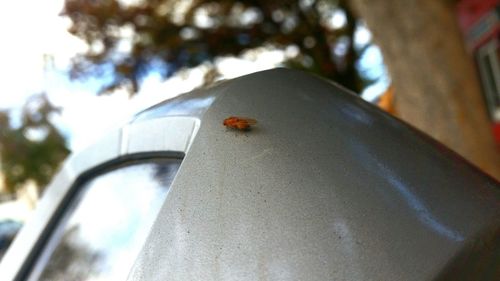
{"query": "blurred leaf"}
(34, 149)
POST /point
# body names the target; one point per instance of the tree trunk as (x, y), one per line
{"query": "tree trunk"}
(435, 84)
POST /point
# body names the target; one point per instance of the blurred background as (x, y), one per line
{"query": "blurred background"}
(72, 69)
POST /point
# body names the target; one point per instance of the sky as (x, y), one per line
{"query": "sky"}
(37, 56)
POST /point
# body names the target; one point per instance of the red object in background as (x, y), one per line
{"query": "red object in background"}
(496, 133)
(469, 11)
(480, 23)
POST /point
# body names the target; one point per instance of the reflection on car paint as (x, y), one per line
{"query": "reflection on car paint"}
(106, 224)
(177, 107)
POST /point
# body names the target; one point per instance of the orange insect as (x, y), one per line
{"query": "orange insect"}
(239, 123)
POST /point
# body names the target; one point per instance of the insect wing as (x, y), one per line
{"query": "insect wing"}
(249, 121)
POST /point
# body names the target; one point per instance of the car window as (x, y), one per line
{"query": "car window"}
(106, 223)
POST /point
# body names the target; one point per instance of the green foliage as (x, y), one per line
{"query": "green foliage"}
(128, 41)
(34, 149)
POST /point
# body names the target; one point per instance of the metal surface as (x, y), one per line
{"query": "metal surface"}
(170, 134)
(192, 104)
(167, 133)
(325, 187)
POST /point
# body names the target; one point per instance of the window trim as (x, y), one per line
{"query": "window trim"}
(74, 191)
(167, 137)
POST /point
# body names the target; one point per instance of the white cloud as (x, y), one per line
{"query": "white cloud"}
(252, 61)
(29, 31)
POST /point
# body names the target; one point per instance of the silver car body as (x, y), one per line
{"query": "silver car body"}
(325, 187)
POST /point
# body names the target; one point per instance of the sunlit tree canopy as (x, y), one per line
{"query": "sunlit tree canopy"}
(129, 39)
(32, 150)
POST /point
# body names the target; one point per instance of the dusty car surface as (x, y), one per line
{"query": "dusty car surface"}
(323, 187)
